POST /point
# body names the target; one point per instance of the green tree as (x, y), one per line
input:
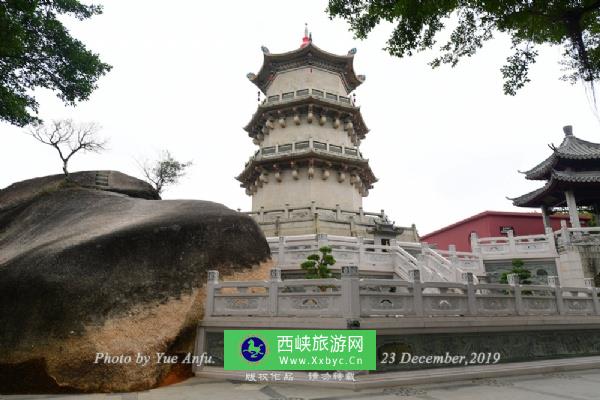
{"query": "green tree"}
(573, 24)
(317, 266)
(164, 171)
(37, 51)
(517, 268)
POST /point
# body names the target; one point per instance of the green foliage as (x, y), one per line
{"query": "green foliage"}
(518, 269)
(317, 266)
(165, 171)
(37, 51)
(573, 24)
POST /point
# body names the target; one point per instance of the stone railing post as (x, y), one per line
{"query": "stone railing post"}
(281, 256)
(512, 245)
(361, 250)
(261, 213)
(589, 283)
(338, 212)
(475, 243)
(213, 279)
(286, 211)
(564, 233)
(550, 239)
(415, 277)
(554, 282)
(322, 240)
(513, 280)
(275, 275)
(467, 278)
(350, 291)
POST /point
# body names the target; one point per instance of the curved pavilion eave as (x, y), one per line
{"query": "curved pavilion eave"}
(584, 184)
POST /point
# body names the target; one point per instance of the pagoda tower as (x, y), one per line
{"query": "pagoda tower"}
(308, 172)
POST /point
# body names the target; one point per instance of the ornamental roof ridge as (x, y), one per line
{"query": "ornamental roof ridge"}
(308, 54)
(571, 148)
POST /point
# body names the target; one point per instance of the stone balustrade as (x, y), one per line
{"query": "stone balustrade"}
(353, 297)
(397, 257)
(577, 236)
(511, 246)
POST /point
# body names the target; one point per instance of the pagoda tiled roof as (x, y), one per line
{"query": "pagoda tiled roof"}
(252, 167)
(558, 182)
(571, 148)
(253, 127)
(307, 55)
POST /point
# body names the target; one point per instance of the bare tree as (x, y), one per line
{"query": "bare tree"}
(68, 138)
(164, 171)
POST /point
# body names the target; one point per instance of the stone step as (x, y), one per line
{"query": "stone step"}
(102, 178)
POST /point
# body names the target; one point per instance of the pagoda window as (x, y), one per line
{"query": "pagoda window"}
(350, 151)
(335, 149)
(273, 98)
(320, 145)
(345, 99)
(285, 147)
(303, 92)
(318, 93)
(287, 96)
(302, 145)
(331, 96)
(268, 150)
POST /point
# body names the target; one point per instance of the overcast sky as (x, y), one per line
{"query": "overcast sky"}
(445, 144)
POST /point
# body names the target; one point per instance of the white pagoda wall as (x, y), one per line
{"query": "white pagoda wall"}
(296, 133)
(300, 192)
(306, 78)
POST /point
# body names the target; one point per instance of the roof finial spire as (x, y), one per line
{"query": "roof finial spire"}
(307, 37)
(568, 130)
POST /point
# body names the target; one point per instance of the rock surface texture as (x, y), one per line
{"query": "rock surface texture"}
(97, 266)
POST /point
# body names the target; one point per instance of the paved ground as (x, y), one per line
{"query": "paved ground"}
(576, 385)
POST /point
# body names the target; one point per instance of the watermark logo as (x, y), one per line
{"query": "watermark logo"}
(299, 350)
(253, 349)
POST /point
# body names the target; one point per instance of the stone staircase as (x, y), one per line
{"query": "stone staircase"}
(102, 178)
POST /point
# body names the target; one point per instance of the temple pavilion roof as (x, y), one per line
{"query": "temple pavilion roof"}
(573, 166)
(571, 152)
(307, 55)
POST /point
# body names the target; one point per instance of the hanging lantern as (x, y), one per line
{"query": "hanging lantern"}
(322, 120)
(310, 116)
(295, 174)
(282, 122)
(341, 177)
(325, 174)
(336, 123)
(297, 119)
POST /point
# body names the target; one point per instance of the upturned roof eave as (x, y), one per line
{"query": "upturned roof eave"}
(263, 108)
(557, 178)
(252, 164)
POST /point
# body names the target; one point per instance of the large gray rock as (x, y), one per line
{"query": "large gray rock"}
(84, 270)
